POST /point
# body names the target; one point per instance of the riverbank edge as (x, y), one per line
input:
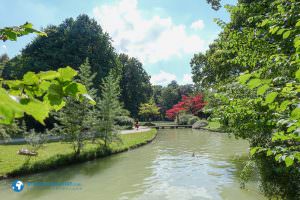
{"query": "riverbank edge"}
(63, 160)
(212, 130)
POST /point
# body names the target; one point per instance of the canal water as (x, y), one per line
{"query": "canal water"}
(181, 164)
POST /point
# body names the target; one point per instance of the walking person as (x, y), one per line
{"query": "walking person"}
(137, 125)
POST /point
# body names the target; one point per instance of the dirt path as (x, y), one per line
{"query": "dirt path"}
(141, 129)
(57, 138)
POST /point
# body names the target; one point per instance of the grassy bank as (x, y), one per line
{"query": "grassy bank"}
(57, 154)
(213, 126)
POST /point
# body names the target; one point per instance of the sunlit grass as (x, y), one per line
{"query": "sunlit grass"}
(55, 154)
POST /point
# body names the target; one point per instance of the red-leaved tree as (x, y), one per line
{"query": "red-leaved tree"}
(175, 110)
(192, 104)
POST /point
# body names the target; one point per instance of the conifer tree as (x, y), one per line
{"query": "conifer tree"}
(76, 119)
(86, 77)
(109, 107)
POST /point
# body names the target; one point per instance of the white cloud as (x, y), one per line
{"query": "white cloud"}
(197, 25)
(150, 40)
(187, 79)
(162, 78)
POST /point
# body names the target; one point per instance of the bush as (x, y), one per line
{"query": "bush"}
(124, 121)
(148, 124)
(193, 120)
(199, 124)
(184, 119)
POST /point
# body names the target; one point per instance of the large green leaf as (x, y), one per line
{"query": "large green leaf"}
(49, 75)
(30, 78)
(271, 97)
(81, 88)
(284, 105)
(261, 90)
(278, 156)
(71, 89)
(45, 85)
(244, 78)
(253, 83)
(254, 150)
(67, 73)
(54, 102)
(37, 109)
(9, 107)
(289, 161)
(295, 113)
(286, 34)
(298, 74)
(265, 22)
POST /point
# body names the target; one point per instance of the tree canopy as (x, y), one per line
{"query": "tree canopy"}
(36, 94)
(135, 84)
(149, 110)
(253, 69)
(67, 44)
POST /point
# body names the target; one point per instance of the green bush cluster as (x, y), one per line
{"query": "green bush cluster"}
(193, 120)
(124, 121)
(183, 119)
(148, 124)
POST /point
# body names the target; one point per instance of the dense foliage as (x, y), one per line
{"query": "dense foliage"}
(67, 44)
(135, 84)
(124, 121)
(191, 105)
(109, 108)
(76, 119)
(253, 67)
(149, 110)
(3, 60)
(166, 97)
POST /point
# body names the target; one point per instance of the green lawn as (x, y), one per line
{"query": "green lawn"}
(55, 154)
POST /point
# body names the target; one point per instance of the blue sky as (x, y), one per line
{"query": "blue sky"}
(163, 34)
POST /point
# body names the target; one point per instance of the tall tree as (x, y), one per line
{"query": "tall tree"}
(86, 77)
(37, 93)
(188, 104)
(135, 84)
(3, 60)
(77, 118)
(157, 90)
(68, 44)
(149, 110)
(169, 96)
(109, 108)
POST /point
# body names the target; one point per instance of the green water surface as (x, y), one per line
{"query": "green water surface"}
(164, 169)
